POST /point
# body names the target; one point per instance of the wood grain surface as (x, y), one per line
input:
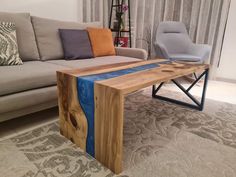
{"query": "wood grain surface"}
(109, 103)
(109, 110)
(73, 123)
(138, 80)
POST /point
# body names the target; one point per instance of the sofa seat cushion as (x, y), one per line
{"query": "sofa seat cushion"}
(185, 57)
(30, 75)
(94, 61)
(27, 99)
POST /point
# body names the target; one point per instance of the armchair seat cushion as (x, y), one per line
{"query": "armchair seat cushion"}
(185, 57)
(30, 75)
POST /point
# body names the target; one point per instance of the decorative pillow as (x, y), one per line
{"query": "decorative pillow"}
(9, 54)
(101, 41)
(76, 44)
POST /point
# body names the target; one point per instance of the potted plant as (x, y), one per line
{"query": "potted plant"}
(119, 22)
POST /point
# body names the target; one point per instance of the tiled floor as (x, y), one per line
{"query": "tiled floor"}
(221, 91)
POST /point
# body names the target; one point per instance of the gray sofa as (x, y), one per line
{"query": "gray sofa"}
(31, 87)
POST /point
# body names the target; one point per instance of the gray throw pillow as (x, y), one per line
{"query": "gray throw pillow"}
(9, 54)
(76, 44)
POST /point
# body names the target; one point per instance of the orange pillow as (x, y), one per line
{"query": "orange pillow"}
(101, 41)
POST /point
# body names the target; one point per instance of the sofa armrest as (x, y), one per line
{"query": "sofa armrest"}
(131, 52)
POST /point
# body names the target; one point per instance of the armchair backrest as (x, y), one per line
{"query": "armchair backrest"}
(173, 36)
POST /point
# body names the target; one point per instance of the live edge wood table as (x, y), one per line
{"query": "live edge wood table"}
(91, 102)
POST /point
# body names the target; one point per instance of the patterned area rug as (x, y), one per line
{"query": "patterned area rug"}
(160, 140)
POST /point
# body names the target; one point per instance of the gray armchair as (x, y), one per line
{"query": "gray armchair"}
(173, 42)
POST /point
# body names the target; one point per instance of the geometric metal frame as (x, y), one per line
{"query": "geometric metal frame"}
(198, 105)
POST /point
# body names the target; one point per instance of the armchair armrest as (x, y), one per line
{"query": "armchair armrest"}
(201, 50)
(161, 50)
(131, 52)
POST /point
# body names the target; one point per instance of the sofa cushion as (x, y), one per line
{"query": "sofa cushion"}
(48, 38)
(27, 99)
(25, 34)
(9, 54)
(76, 44)
(30, 75)
(101, 41)
(93, 62)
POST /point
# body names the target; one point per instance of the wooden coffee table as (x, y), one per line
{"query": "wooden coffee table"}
(91, 102)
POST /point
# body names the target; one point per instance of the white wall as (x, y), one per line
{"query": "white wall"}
(70, 10)
(227, 69)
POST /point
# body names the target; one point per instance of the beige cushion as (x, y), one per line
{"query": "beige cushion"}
(25, 34)
(27, 99)
(93, 62)
(47, 35)
(30, 75)
(37, 74)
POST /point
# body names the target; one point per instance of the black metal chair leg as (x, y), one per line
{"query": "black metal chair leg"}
(195, 75)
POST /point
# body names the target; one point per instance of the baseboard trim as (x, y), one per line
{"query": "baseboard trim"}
(225, 80)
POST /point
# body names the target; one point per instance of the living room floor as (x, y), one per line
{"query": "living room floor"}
(220, 91)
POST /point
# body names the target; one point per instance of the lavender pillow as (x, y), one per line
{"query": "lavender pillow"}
(76, 44)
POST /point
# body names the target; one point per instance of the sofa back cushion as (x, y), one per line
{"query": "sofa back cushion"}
(25, 34)
(48, 38)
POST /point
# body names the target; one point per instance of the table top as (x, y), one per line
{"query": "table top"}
(139, 74)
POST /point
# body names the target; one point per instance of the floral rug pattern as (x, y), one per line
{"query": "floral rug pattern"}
(160, 140)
